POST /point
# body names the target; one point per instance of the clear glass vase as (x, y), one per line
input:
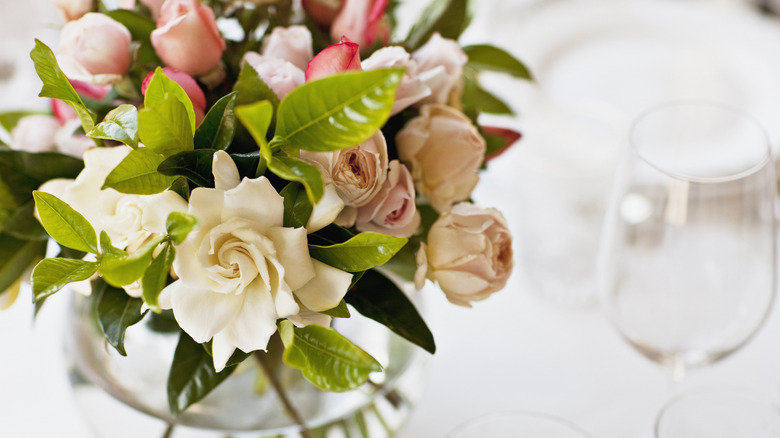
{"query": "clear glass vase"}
(125, 396)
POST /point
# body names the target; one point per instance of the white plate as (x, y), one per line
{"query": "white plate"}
(632, 54)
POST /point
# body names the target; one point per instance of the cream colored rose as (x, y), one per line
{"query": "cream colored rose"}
(241, 270)
(440, 64)
(392, 211)
(411, 89)
(280, 76)
(443, 150)
(469, 253)
(357, 173)
(292, 44)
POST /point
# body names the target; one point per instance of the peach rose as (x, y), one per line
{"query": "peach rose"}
(469, 254)
(280, 75)
(392, 211)
(440, 64)
(94, 49)
(73, 9)
(187, 37)
(444, 151)
(292, 44)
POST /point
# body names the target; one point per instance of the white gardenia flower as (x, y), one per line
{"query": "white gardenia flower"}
(241, 270)
(292, 44)
(411, 89)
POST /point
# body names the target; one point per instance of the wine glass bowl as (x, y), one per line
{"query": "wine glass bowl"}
(687, 261)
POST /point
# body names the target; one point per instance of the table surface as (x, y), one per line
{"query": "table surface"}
(514, 351)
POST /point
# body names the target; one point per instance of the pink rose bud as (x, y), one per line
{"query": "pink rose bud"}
(94, 49)
(392, 211)
(362, 21)
(64, 113)
(323, 12)
(469, 253)
(187, 37)
(292, 44)
(340, 57)
(190, 86)
(73, 9)
(280, 76)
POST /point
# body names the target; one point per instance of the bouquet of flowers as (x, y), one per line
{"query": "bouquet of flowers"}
(249, 168)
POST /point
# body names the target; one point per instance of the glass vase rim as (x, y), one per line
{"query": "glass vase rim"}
(763, 161)
(522, 413)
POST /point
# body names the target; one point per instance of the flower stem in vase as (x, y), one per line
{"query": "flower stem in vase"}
(265, 365)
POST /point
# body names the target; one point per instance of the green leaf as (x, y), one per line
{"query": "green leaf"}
(116, 311)
(378, 298)
(51, 275)
(338, 111)
(490, 58)
(295, 169)
(9, 119)
(178, 225)
(256, 118)
(192, 375)
(121, 269)
(64, 224)
(165, 128)
(327, 359)
(16, 256)
(156, 277)
(23, 225)
(330, 235)
(120, 124)
(23, 172)
(56, 84)
(140, 27)
(194, 165)
(251, 88)
(161, 88)
(362, 252)
(297, 207)
(137, 174)
(447, 17)
(217, 129)
(340, 311)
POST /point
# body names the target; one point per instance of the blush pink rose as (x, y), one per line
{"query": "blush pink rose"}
(187, 37)
(190, 86)
(362, 21)
(292, 44)
(337, 58)
(392, 211)
(73, 9)
(468, 254)
(411, 89)
(35, 133)
(444, 151)
(94, 49)
(280, 76)
(440, 62)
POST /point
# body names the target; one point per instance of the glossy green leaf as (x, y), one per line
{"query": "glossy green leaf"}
(22, 172)
(447, 17)
(52, 274)
(64, 224)
(156, 277)
(295, 169)
(340, 311)
(330, 235)
(161, 88)
(192, 375)
(249, 165)
(57, 86)
(378, 298)
(490, 58)
(16, 256)
(217, 129)
(338, 111)
(140, 27)
(23, 225)
(116, 311)
(122, 269)
(327, 359)
(194, 165)
(362, 252)
(165, 127)
(137, 174)
(297, 207)
(120, 124)
(178, 225)
(256, 118)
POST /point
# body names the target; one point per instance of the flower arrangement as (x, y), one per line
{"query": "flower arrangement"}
(250, 168)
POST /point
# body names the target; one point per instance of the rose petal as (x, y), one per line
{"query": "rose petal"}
(340, 57)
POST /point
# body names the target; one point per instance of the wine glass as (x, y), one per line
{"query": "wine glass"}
(719, 413)
(687, 260)
(517, 424)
